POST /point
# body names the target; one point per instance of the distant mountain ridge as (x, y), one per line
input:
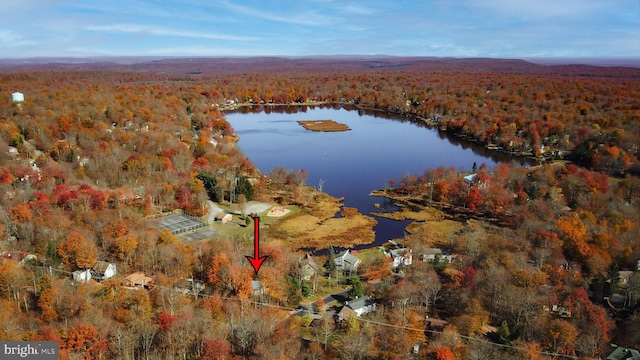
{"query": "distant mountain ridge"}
(213, 65)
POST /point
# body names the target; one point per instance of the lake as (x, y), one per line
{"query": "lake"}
(352, 163)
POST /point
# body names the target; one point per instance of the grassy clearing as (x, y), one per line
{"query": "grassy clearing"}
(442, 231)
(316, 227)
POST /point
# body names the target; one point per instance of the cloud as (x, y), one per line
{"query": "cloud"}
(144, 29)
(299, 18)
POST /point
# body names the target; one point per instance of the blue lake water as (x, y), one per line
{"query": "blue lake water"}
(351, 163)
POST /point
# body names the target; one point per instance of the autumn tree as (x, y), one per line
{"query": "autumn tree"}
(574, 233)
(443, 353)
(76, 252)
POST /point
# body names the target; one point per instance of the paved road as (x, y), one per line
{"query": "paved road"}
(340, 297)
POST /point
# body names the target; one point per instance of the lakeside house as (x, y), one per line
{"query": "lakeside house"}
(433, 254)
(347, 262)
(308, 267)
(399, 255)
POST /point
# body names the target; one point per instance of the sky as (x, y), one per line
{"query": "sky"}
(457, 28)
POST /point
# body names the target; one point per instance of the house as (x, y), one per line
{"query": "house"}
(473, 180)
(81, 275)
(431, 254)
(257, 288)
(187, 286)
(103, 270)
(622, 353)
(470, 178)
(17, 97)
(308, 267)
(347, 262)
(435, 324)
(399, 255)
(138, 280)
(361, 306)
(224, 217)
(345, 313)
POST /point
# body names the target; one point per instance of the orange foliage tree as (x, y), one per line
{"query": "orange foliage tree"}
(76, 252)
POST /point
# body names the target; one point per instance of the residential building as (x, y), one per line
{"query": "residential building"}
(81, 275)
(138, 280)
(308, 267)
(622, 353)
(361, 306)
(257, 288)
(347, 262)
(103, 270)
(431, 254)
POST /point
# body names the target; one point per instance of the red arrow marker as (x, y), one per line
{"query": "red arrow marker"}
(256, 261)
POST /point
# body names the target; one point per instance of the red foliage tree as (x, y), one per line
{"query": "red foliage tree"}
(443, 353)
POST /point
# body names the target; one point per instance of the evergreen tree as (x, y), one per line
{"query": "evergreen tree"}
(504, 333)
(330, 265)
(244, 187)
(210, 185)
(357, 289)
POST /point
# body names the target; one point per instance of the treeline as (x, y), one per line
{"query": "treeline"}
(588, 116)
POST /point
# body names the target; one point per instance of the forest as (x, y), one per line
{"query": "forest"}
(546, 258)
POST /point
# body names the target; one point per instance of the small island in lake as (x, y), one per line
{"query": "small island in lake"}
(323, 125)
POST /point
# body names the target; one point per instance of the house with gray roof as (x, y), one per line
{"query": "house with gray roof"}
(347, 262)
(622, 353)
(361, 306)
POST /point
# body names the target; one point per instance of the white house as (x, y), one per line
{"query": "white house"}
(347, 262)
(361, 306)
(17, 97)
(257, 287)
(103, 270)
(402, 256)
(81, 275)
(399, 255)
